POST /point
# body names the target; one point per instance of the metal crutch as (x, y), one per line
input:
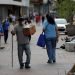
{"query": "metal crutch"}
(1, 47)
(12, 51)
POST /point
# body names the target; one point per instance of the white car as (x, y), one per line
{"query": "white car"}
(61, 23)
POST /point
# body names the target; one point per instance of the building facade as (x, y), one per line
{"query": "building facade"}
(16, 7)
(36, 6)
(42, 6)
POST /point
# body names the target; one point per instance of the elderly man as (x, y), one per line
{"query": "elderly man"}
(23, 44)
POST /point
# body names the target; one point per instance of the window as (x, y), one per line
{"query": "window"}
(18, 0)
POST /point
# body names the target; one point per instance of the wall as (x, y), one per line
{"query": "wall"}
(3, 13)
(11, 2)
(6, 4)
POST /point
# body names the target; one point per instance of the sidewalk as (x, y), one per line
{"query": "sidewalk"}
(39, 65)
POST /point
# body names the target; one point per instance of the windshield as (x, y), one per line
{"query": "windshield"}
(60, 21)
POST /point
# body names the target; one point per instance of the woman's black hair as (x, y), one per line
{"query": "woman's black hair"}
(50, 19)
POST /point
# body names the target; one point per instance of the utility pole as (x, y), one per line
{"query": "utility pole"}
(48, 6)
(48, 2)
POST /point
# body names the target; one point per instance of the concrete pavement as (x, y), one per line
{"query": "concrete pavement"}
(65, 59)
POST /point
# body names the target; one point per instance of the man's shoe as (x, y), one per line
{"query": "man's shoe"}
(21, 66)
(49, 61)
(54, 61)
(27, 67)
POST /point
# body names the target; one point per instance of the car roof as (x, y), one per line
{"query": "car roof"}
(60, 19)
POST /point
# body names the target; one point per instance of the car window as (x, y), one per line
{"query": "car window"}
(60, 21)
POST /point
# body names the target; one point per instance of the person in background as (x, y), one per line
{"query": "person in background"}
(6, 25)
(43, 19)
(13, 17)
(23, 44)
(12, 24)
(51, 38)
(1, 30)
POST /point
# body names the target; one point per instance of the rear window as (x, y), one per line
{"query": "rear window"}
(60, 21)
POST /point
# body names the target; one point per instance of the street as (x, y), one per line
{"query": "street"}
(39, 65)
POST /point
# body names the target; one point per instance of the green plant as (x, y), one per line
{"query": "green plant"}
(65, 9)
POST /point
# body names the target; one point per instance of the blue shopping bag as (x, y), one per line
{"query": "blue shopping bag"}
(41, 40)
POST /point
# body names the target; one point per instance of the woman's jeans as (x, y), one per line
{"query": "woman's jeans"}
(51, 48)
(21, 49)
(5, 35)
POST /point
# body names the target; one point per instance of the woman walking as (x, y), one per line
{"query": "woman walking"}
(6, 29)
(51, 34)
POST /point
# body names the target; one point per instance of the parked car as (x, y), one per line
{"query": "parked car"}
(61, 23)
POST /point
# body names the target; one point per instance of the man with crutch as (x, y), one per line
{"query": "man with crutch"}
(23, 44)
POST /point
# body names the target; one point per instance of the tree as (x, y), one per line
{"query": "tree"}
(65, 9)
(59, 1)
